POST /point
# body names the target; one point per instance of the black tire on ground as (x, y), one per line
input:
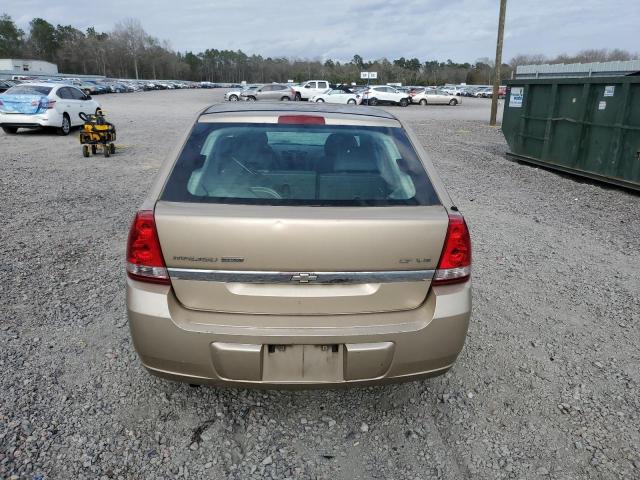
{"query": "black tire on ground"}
(112, 148)
(85, 151)
(453, 102)
(373, 102)
(285, 99)
(320, 100)
(98, 111)
(351, 101)
(65, 129)
(106, 150)
(94, 149)
(404, 102)
(251, 99)
(298, 97)
(10, 130)
(423, 102)
(233, 98)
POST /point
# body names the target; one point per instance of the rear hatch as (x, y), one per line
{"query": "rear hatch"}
(294, 216)
(300, 260)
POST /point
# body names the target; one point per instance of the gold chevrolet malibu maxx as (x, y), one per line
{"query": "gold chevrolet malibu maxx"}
(298, 245)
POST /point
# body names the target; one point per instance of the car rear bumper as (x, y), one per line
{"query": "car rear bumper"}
(247, 350)
(30, 121)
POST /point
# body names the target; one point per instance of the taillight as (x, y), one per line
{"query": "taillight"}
(455, 262)
(50, 104)
(301, 119)
(144, 256)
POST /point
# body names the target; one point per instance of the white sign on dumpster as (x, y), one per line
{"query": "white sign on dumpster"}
(373, 75)
(515, 98)
(364, 75)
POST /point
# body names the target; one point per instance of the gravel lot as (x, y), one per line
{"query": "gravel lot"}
(548, 385)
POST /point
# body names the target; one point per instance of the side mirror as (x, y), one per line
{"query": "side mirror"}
(307, 86)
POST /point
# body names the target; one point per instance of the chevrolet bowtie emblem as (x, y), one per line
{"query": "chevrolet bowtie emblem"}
(304, 277)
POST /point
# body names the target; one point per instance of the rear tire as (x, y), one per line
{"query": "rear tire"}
(285, 99)
(423, 102)
(233, 98)
(94, 149)
(251, 99)
(65, 129)
(112, 148)
(453, 102)
(351, 101)
(373, 101)
(106, 150)
(320, 100)
(298, 97)
(404, 102)
(10, 130)
(85, 151)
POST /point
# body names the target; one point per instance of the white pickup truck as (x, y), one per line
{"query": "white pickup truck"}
(308, 89)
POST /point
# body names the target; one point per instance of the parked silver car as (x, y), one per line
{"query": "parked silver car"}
(236, 94)
(272, 91)
(435, 97)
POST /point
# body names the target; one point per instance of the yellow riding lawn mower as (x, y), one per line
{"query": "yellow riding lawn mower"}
(97, 133)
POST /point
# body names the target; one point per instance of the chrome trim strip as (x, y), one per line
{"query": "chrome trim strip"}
(337, 278)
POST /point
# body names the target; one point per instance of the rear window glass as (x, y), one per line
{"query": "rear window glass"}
(29, 90)
(279, 164)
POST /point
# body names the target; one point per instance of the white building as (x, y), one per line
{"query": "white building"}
(27, 67)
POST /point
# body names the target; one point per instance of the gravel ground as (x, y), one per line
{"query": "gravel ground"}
(548, 385)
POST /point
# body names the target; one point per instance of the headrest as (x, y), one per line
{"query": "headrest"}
(337, 143)
(223, 146)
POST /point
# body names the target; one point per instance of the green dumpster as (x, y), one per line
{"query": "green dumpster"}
(584, 126)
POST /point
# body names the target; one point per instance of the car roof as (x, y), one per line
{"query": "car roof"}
(44, 84)
(287, 107)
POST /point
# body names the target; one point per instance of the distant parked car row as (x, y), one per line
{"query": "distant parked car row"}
(106, 85)
(479, 91)
(321, 91)
(97, 87)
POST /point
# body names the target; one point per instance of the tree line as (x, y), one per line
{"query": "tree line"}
(128, 51)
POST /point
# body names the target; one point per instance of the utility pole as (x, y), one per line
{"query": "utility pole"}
(496, 77)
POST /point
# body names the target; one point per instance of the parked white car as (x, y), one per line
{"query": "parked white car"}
(484, 92)
(435, 97)
(385, 94)
(308, 89)
(51, 105)
(452, 90)
(337, 96)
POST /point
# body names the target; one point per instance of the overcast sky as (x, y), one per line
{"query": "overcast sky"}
(462, 30)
